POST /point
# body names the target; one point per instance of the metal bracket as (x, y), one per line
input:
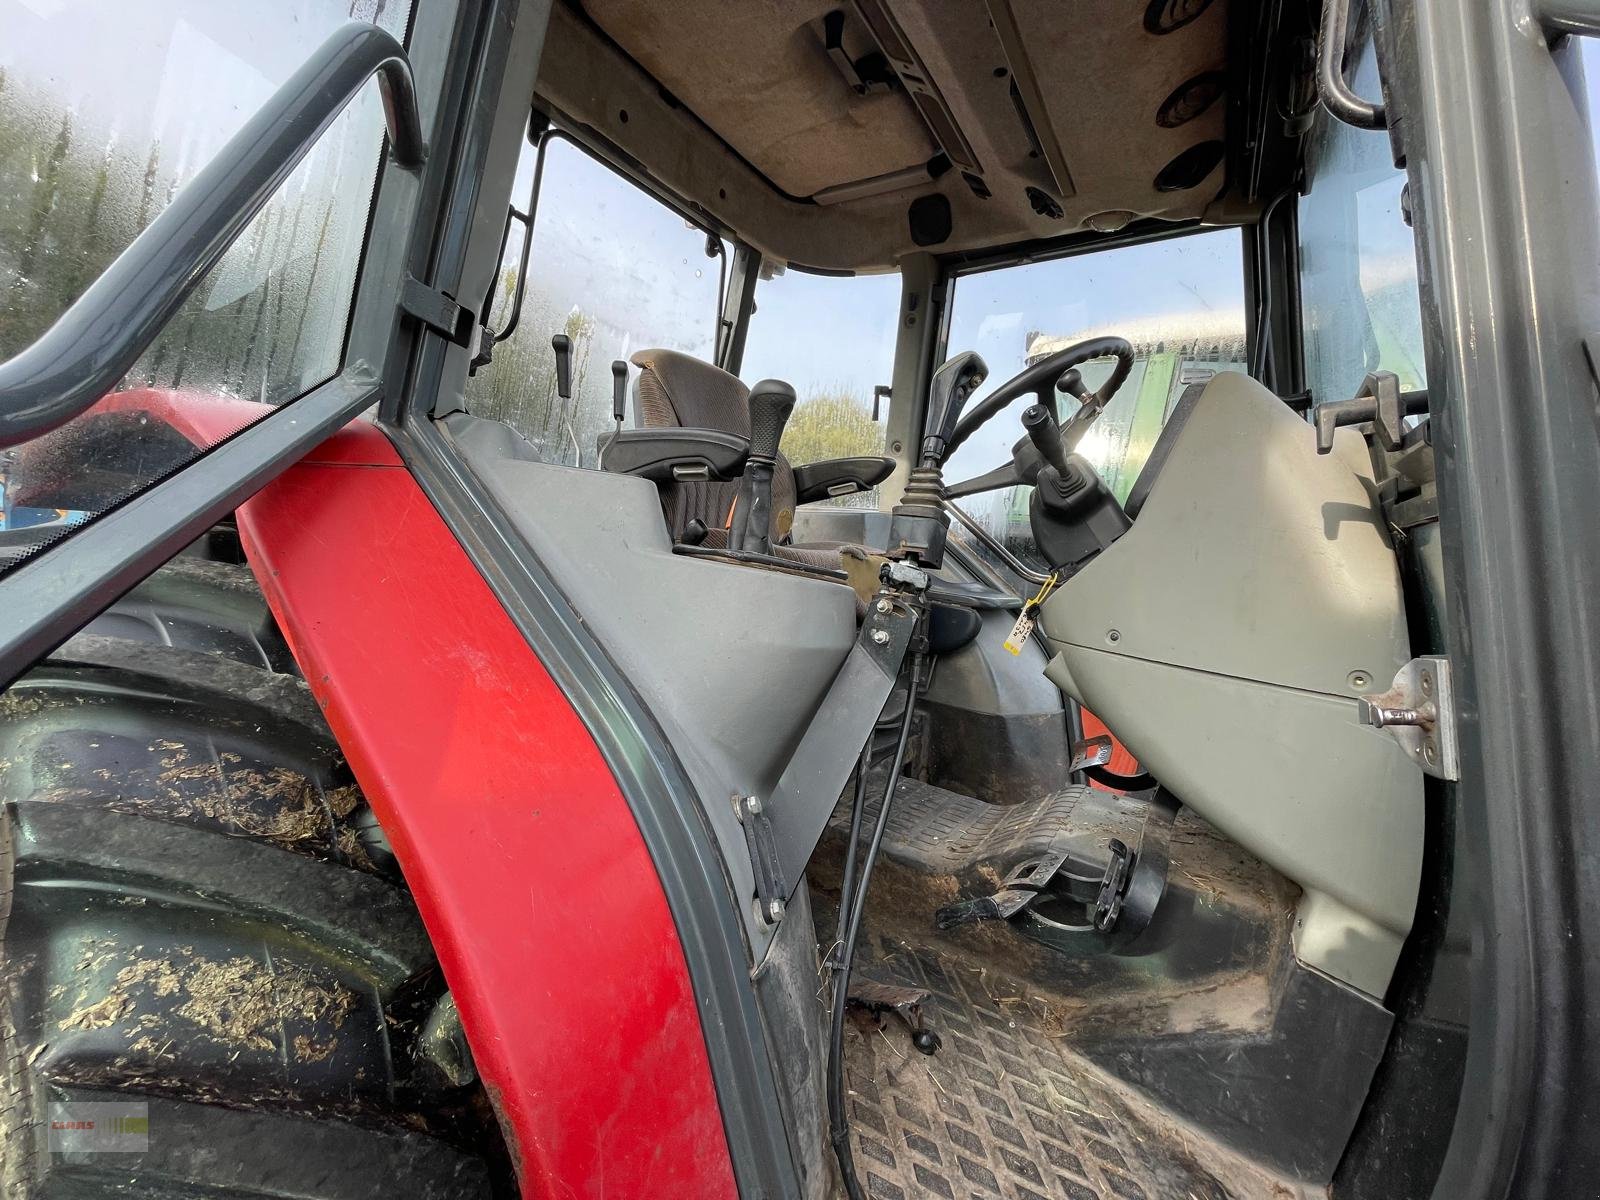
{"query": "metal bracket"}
(763, 847)
(439, 312)
(1418, 711)
(808, 790)
(1378, 400)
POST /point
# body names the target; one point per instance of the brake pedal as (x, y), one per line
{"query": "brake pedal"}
(905, 1003)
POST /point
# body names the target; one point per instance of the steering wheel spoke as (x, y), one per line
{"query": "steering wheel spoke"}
(1002, 476)
(1043, 377)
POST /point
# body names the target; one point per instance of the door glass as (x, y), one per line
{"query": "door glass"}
(613, 269)
(106, 111)
(1589, 55)
(831, 337)
(1358, 262)
(1180, 302)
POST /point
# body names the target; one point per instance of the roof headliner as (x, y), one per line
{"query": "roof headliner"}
(737, 106)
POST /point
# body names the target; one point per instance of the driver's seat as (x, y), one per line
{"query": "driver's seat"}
(674, 390)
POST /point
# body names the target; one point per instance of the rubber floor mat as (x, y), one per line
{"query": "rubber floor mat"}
(1005, 1111)
(943, 833)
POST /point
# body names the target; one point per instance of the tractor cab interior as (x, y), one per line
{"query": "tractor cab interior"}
(1074, 659)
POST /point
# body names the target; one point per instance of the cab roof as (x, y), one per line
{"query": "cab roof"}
(845, 134)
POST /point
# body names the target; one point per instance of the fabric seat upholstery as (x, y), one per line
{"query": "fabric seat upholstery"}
(675, 390)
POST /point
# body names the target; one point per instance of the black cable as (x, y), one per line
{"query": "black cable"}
(838, 1121)
(847, 882)
(1262, 351)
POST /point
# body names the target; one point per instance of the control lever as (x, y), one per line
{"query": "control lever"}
(771, 402)
(1071, 382)
(1045, 434)
(919, 523)
(619, 391)
(953, 384)
(562, 345)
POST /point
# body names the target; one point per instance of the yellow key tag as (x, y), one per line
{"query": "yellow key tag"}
(1023, 629)
(1020, 633)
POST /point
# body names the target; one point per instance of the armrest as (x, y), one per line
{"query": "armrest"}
(839, 477)
(667, 454)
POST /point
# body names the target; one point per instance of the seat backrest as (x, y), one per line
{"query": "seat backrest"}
(675, 390)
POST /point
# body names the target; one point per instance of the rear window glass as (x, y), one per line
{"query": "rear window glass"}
(612, 268)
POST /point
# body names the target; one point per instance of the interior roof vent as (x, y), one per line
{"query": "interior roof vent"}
(1164, 16)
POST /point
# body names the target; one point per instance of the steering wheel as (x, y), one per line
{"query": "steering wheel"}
(1043, 379)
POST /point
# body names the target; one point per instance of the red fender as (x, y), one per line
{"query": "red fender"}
(529, 871)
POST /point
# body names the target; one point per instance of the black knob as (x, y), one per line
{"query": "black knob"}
(771, 402)
(953, 384)
(1045, 435)
(619, 390)
(562, 345)
(1072, 383)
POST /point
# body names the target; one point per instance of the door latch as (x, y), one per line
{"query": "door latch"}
(439, 312)
(1418, 711)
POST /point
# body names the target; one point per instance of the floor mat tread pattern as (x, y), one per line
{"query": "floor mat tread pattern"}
(1005, 1111)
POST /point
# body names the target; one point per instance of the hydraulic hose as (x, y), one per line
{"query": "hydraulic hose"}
(854, 900)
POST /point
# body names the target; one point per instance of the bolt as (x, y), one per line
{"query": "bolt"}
(1430, 751)
(1427, 684)
(1114, 636)
(1380, 717)
(880, 636)
(1360, 679)
(753, 805)
(884, 606)
(774, 911)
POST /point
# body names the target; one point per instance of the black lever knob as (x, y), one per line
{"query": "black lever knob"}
(1072, 383)
(1045, 435)
(771, 402)
(562, 345)
(619, 390)
(953, 384)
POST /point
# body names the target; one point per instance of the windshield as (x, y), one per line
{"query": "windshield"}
(615, 271)
(1179, 301)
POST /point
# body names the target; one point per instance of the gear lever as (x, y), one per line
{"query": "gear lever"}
(771, 402)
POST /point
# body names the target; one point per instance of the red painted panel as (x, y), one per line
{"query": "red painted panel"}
(528, 868)
(1122, 760)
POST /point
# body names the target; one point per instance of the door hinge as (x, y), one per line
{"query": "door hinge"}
(1419, 712)
(439, 312)
(765, 863)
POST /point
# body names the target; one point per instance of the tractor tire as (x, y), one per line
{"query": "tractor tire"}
(201, 920)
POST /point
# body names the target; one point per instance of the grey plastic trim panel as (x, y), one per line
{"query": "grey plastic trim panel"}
(62, 587)
(659, 792)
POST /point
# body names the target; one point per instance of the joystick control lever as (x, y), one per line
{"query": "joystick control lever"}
(953, 384)
(771, 402)
(1045, 434)
(918, 524)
